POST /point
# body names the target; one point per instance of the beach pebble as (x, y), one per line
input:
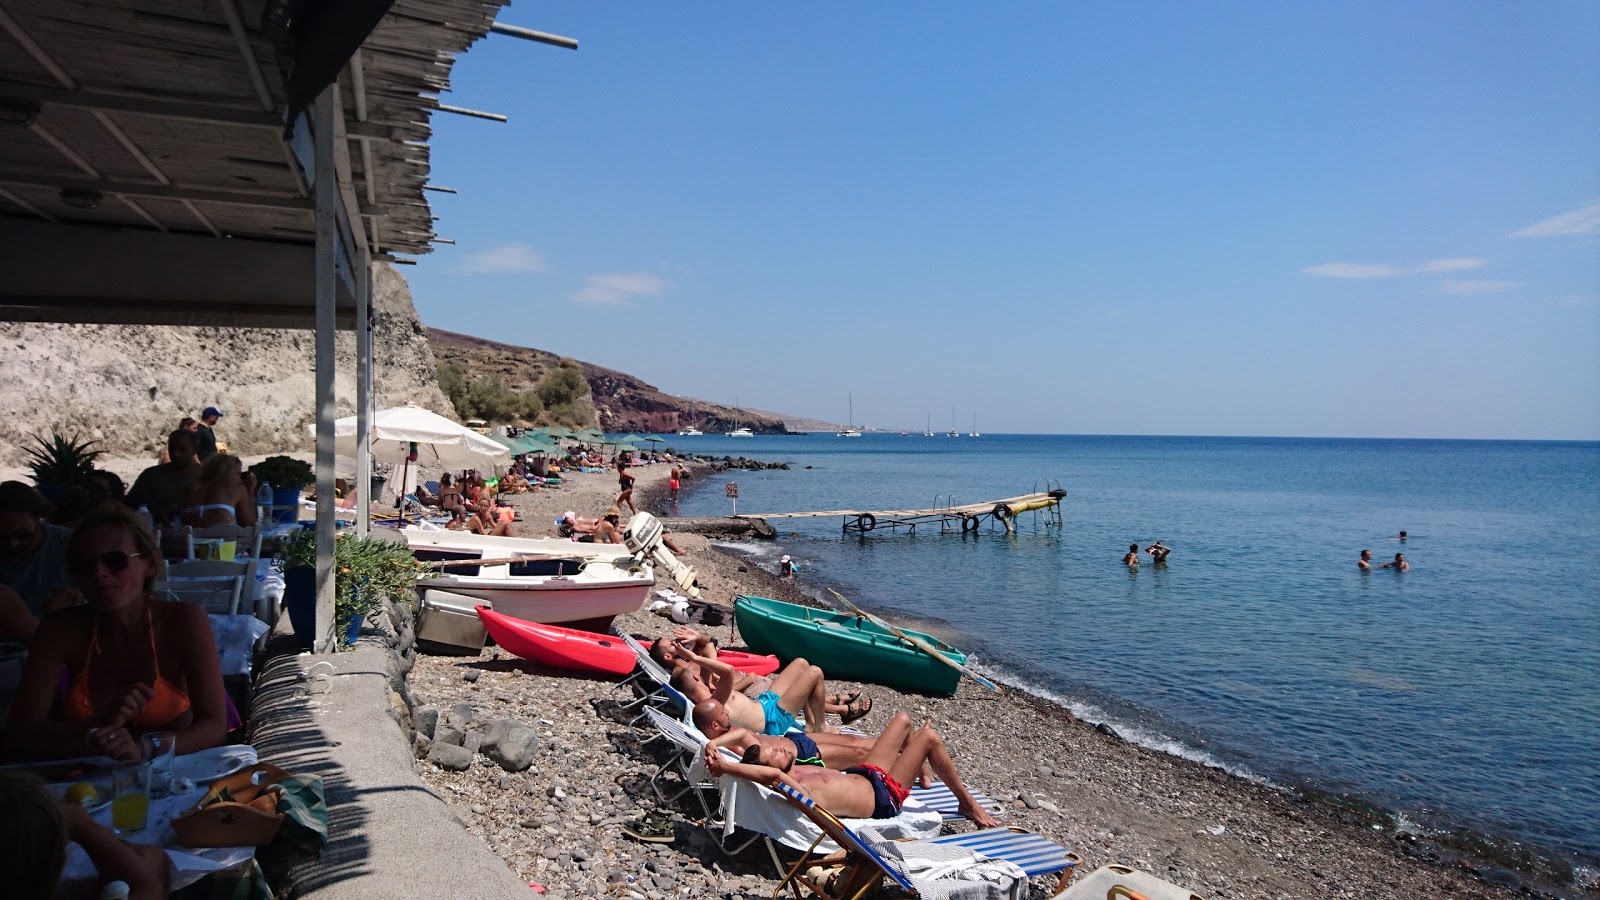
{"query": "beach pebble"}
(450, 757)
(426, 719)
(510, 743)
(471, 675)
(449, 733)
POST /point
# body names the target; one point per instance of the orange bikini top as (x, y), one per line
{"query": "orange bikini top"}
(165, 704)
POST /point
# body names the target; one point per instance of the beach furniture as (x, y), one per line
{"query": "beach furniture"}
(1116, 881)
(867, 856)
(846, 646)
(218, 586)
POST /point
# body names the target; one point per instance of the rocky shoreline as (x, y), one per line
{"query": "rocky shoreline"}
(558, 823)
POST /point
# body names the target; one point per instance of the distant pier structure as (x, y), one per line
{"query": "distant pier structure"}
(950, 516)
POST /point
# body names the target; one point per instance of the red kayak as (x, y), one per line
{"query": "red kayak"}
(569, 648)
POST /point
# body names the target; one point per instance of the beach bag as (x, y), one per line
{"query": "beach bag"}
(256, 806)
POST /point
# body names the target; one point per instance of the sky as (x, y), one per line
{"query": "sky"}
(1340, 219)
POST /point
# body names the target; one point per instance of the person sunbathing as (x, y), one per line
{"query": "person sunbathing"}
(874, 788)
(131, 663)
(717, 707)
(492, 520)
(848, 706)
(571, 523)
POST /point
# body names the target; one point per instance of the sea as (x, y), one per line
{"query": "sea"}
(1459, 697)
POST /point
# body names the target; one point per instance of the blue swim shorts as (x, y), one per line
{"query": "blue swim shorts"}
(779, 720)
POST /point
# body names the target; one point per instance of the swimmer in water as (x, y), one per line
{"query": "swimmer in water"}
(1365, 562)
(1131, 560)
(1158, 553)
(1399, 564)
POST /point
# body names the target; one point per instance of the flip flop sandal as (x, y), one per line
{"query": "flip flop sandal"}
(856, 709)
(653, 828)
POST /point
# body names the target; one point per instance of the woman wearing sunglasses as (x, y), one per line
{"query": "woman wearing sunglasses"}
(133, 663)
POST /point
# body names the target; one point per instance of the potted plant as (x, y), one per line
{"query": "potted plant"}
(60, 461)
(366, 569)
(287, 476)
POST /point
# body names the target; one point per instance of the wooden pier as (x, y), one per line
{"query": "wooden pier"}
(968, 517)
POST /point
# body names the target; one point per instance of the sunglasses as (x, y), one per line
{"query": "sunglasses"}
(113, 560)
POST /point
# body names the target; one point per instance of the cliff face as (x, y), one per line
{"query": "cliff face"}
(617, 402)
(127, 386)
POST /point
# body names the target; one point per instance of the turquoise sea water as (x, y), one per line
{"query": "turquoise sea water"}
(1463, 693)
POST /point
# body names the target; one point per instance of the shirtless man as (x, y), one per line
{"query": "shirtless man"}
(717, 707)
(834, 751)
(1399, 564)
(1158, 553)
(1365, 562)
(1131, 558)
(872, 789)
(609, 531)
(848, 706)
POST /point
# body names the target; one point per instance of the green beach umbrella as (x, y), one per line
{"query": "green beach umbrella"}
(629, 439)
(656, 439)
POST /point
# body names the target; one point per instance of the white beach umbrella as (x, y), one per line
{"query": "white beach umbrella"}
(439, 441)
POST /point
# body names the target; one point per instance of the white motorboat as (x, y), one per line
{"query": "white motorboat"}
(741, 432)
(691, 431)
(549, 580)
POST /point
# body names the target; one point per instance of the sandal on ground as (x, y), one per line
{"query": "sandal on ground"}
(652, 827)
(844, 699)
(857, 708)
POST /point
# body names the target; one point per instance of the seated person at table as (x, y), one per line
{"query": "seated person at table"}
(717, 707)
(872, 790)
(33, 845)
(161, 487)
(33, 553)
(132, 663)
(224, 494)
(849, 706)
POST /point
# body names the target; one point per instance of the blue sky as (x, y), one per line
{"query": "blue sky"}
(1160, 218)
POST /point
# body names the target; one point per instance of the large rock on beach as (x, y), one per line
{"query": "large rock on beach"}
(450, 757)
(510, 743)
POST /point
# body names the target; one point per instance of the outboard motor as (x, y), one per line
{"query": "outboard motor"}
(642, 537)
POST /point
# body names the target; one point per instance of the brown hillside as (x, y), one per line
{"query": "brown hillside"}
(617, 402)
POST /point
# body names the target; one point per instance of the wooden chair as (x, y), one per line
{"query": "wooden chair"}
(216, 585)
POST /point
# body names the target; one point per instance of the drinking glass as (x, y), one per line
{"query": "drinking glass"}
(130, 797)
(157, 749)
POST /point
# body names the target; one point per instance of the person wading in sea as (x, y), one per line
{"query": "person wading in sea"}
(1365, 562)
(1399, 564)
(1131, 558)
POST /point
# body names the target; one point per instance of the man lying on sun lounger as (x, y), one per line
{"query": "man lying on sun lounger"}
(717, 707)
(873, 789)
(832, 751)
(848, 706)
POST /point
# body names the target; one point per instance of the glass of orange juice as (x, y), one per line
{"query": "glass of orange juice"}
(130, 797)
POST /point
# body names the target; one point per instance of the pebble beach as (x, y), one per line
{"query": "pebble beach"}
(558, 824)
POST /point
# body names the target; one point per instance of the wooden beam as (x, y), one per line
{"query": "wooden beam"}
(169, 191)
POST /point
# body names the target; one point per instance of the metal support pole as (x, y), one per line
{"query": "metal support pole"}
(364, 394)
(326, 191)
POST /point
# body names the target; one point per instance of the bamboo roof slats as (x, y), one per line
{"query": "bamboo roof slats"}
(171, 76)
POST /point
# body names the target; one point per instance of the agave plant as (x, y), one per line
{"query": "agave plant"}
(61, 460)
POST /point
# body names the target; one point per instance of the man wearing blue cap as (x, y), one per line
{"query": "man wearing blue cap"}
(205, 438)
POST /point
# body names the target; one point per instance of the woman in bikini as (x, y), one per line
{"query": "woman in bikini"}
(132, 663)
(450, 499)
(625, 482)
(224, 494)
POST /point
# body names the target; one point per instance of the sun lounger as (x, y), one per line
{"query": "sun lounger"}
(1116, 881)
(998, 855)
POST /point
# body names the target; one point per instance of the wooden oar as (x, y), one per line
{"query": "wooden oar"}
(915, 641)
(501, 561)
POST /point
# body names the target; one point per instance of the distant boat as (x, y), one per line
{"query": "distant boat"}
(850, 430)
(974, 426)
(927, 430)
(741, 432)
(691, 431)
(952, 432)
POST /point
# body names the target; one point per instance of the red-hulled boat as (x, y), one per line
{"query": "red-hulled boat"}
(569, 648)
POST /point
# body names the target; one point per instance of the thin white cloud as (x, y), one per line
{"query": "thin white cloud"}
(1385, 270)
(1469, 286)
(1581, 221)
(505, 258)
(619, 287)
(1452, 264)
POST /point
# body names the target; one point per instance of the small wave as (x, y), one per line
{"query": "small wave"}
(1131, 732)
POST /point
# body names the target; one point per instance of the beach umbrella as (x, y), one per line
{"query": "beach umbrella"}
(542, 446)
(630, 438)
(439, 440)
(655, 439)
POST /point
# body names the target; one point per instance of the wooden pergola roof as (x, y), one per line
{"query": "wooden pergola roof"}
(153, 160)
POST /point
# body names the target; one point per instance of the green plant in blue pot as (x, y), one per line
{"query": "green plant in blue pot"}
(366, 570)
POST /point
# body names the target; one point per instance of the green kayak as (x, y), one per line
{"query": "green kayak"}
(845, 646)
